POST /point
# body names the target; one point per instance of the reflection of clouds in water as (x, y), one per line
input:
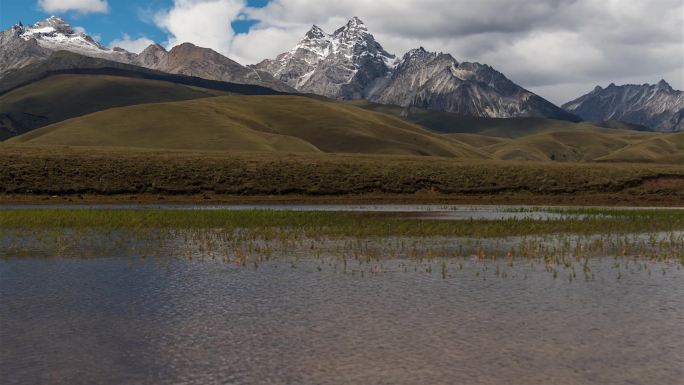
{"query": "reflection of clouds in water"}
(205, 322)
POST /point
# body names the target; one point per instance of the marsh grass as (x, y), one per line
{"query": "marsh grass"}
(269, 223)
(349, 241)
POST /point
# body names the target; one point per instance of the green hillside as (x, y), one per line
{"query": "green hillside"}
(250, 123)
(61, 97)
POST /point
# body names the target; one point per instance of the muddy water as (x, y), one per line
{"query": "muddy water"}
(132, 321)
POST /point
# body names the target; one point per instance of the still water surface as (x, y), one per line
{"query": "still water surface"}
(448, 212)
(132, 321)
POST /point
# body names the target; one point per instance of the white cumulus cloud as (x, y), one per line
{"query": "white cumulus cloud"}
(80, 6)
(131, 45)
(557, 48)
(205, 23)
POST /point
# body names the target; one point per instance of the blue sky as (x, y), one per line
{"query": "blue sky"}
(128, 17)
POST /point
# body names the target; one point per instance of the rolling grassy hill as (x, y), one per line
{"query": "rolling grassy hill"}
(663, 148)
(250, 123)
(538, 139)
(61, 97)
(298, 124)
(91, 102)
(582, 143)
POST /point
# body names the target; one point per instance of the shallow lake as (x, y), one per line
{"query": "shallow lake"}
(127, 320)
(187, 307)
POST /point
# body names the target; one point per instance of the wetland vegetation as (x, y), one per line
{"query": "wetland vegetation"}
(258, 234)
(142, 295)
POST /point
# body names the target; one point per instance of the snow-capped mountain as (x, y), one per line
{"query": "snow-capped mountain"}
(22, 45)
(16, 52)
(55, 34)
(341, 65)
(656, 106)
(351, 64)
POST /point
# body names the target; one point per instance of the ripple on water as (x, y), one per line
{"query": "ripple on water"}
(118, 320)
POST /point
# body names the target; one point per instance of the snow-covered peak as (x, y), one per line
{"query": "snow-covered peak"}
(348, 43)
(56, 34)
(54, 24)
(354, 30)
(354, 26)
(316, 33)
(332, 64)
(418, 54)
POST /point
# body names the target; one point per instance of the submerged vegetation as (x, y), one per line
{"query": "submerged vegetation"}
(249, 237)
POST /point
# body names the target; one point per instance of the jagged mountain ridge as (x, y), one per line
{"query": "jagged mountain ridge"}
(437, 81)
(657, 106)
(190, 60)
(351, 64)
(23, 45)
(341, 65)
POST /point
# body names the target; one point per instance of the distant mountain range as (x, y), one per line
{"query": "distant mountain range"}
(349, 64)
(22, 45)
(657, 106)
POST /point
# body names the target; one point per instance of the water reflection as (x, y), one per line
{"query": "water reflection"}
(444, 212)
(166, 320)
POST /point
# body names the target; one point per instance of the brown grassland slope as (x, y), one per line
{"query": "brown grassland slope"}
(61, 97)
(582, 143)
(250, 123)
(668, 148)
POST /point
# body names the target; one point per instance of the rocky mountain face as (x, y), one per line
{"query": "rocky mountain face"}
(15, 52)
(343, 65)
(657, 106)
(437, 81)
(28, 44)
(188, 59)
(23, 45)
(351, 64)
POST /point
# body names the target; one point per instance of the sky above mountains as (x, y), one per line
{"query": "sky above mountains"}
(559, 49)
